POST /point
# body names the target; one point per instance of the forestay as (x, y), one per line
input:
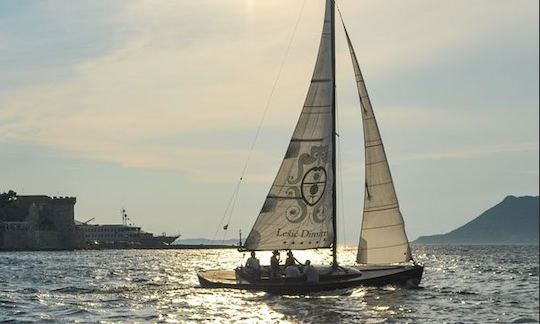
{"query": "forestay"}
(382, 238)
(298, 211)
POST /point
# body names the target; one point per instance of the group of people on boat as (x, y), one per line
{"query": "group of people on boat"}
(291, 270)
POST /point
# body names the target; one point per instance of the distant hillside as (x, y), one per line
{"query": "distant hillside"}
(512, 221)
(203, 241)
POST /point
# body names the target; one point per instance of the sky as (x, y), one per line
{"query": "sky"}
(152, 106)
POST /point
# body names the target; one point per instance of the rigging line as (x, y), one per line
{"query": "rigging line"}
(339, 12)
(272, 91)
(226, 227)
(234, 201)
(226, 211)
(263, 117)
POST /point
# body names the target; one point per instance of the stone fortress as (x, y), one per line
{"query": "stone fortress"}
(38, 222)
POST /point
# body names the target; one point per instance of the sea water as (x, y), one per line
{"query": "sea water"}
(467, 284)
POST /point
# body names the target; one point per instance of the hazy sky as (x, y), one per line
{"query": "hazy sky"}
(152, 105)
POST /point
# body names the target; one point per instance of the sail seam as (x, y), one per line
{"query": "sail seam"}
(283, 197)
(316, 112)
(317, 106)
(378, 162)
(320, 80)
(373, 145)
(383, 247)
(380, 208)
(375, 227)
(307, 139)
(314, 182)
(380, 184)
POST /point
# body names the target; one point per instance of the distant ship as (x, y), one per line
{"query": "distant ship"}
(118, 236)
(299, 212)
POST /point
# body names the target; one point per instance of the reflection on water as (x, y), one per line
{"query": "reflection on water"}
(461, 284)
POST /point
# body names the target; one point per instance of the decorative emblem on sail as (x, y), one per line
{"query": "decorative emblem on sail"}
(382, 238)
(298, 211)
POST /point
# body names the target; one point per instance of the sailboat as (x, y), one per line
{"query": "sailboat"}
(299, 212)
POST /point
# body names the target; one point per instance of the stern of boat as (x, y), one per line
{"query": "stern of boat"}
(407, 276)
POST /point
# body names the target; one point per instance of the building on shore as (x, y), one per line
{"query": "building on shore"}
(38, 222)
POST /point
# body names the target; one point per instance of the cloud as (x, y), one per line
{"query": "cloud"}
(186, 71)
(393, 34)
(354, 171)
(472, 152)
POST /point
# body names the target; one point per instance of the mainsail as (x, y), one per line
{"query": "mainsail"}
(299, 209)
(382, 238)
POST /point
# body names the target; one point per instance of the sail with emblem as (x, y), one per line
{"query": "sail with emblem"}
(299, 209)
(382, 239)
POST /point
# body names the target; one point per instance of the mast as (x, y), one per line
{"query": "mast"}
(334, 200)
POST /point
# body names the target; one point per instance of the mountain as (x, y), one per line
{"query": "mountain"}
(512, 221)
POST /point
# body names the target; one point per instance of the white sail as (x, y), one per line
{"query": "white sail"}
(299, 209)
(382, 238)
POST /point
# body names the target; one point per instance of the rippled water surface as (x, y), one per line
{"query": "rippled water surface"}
(466, 284)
